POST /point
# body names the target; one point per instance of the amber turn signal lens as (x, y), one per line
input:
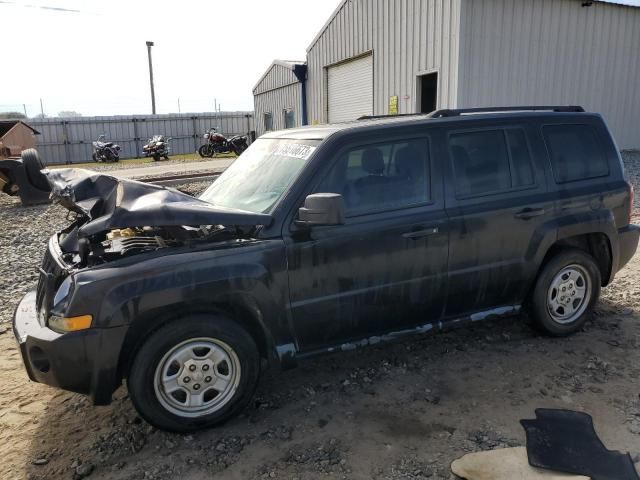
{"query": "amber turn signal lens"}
(70, 324)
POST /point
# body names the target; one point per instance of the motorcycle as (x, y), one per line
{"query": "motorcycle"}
(105, 151)
(157, 147)
(218, 143)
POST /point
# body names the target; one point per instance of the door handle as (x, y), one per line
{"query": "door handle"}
(528, 213)
(414, 235)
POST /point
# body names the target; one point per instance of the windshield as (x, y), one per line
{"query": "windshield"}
(259, 177)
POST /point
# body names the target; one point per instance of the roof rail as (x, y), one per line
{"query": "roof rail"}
(378, 117)
(462, 111)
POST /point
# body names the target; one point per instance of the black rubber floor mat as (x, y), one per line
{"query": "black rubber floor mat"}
(565, 441)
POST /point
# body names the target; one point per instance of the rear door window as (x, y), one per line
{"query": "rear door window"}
(490, 161)
(575, 152)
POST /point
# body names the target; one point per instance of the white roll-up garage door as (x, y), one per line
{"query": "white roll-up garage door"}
(350, 90)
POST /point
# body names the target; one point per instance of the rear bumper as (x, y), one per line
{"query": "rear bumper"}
(84, 362)
(628, 243)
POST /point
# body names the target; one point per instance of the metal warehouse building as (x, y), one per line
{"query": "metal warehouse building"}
(377, 57)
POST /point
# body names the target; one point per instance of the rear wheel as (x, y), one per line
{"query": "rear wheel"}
(565, 292)
(238, 149)
(194, 373)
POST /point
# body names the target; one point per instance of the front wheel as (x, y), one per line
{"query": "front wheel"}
(205, 151)
(194, 373)
(566, 290)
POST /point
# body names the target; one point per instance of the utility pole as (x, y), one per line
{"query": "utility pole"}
(24, 107)
(153, 95)
(179, 105)
(41, 108)
(215, 105)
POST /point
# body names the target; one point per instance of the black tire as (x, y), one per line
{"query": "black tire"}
(238, 149)
(156, 157)
(94, 157)
(32, 165)
(542, 304)
(142, 376)
(205, 151)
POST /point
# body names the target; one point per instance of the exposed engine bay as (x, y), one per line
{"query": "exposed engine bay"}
(114, 218)
(80, 252)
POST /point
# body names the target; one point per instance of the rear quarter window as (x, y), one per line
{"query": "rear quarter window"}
(575, 152)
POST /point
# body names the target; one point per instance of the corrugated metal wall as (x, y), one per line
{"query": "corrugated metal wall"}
(276, 101)
(519, 52)
(277, 91)
(277, 76)
(406, 37)
(70, 140)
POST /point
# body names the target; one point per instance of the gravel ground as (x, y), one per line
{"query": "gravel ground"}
(396, 411)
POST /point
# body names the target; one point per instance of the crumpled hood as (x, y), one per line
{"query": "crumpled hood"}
(109, 202)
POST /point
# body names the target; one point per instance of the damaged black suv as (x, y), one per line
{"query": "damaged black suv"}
(322, 239)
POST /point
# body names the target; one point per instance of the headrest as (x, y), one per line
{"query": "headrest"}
(372, 161)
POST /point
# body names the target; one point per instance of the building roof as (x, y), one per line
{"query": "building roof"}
(290, 64)
(6, 125)
(628, 3)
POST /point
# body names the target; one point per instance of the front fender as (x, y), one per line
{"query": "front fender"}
(252, 277)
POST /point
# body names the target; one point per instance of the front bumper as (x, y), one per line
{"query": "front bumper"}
(83, 362)
(628, 242)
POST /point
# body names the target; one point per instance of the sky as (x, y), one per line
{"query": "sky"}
(90, 56)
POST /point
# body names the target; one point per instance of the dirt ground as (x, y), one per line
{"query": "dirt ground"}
(396, 411)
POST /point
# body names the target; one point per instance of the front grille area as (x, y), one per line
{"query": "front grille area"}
(51, 276)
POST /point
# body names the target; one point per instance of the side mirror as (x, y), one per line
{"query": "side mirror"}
(322, 209)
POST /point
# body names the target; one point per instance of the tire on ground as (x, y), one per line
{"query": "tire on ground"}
(205, 152)
(540, 308)
(141, 378)
(32, 165)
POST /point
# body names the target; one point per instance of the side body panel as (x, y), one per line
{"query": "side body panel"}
(494, 242)
(377, 273)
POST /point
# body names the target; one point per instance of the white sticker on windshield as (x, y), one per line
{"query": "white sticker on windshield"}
(294, 150)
